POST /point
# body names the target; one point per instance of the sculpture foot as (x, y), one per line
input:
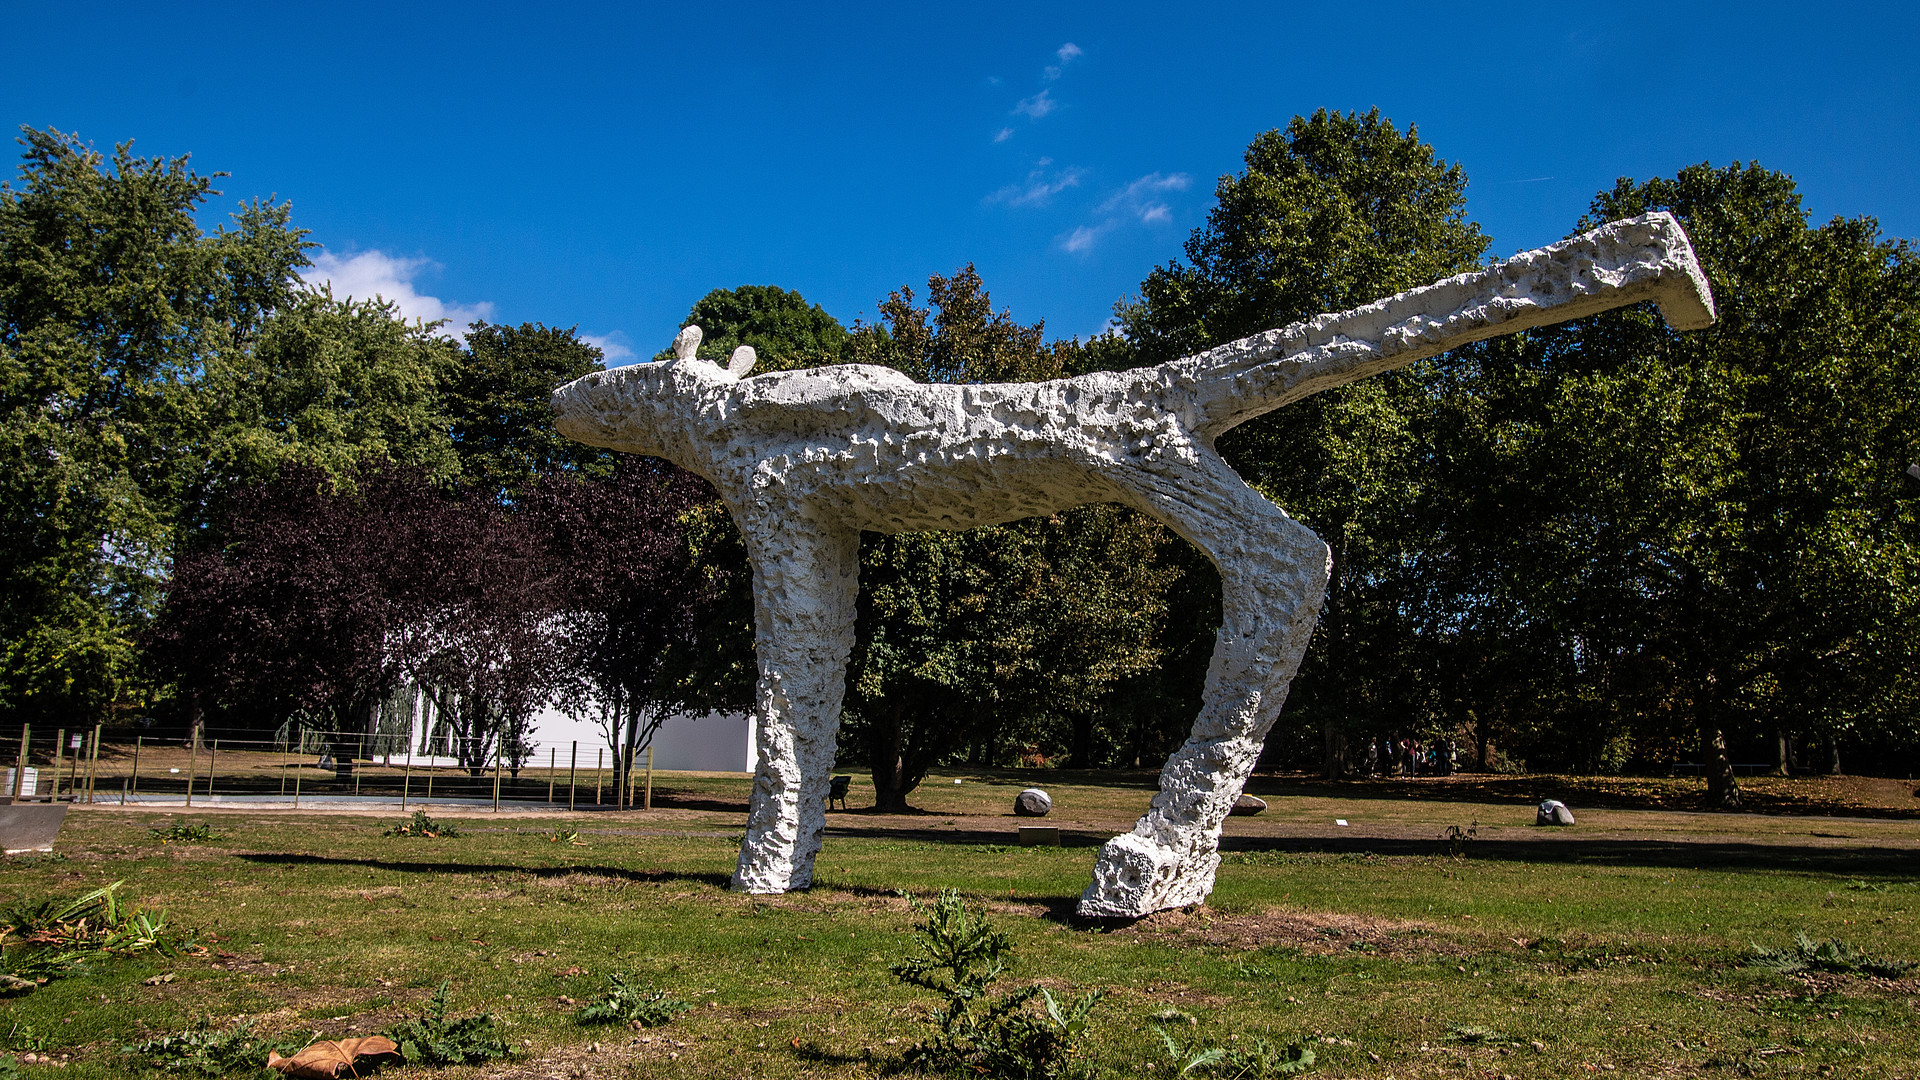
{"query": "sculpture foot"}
(1138, 876)
(769, 867)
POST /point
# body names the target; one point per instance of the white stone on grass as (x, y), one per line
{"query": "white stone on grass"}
(806, 460)
(1032, 803)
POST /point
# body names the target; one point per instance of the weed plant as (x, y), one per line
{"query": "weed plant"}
(195, 833)
(1258, 1061)
(435, 1040)
(42, 940)
(624, 1002)
(1833, 955)
(1457, 839)
(201, 1050)
(959, 956)
(421, 825)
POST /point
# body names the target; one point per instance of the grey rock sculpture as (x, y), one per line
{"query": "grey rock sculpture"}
(1247, 806)
(805, 460)
(1553, 812)
(1032, 803)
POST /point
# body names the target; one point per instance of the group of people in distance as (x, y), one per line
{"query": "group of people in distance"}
(1408, 757)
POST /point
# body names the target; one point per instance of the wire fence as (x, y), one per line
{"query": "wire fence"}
(316, 767)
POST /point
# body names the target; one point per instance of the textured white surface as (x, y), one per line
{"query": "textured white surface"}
(805, 460)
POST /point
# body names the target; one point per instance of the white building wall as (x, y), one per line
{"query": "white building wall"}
(716, 742)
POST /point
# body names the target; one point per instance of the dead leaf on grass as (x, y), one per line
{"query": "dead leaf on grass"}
(329, 1059)
(158, 979)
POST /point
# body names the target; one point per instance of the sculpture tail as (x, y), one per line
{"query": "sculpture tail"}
(1642, 258)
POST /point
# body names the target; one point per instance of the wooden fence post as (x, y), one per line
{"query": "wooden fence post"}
(93, 762)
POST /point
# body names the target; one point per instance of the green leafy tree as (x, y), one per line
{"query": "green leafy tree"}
(496, 394)
(329, 384)
(996, 640)
(1715, 531)
(784, 329)
(1332, 212)
(113, 304)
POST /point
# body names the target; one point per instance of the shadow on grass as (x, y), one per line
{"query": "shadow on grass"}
(1602, 792)
(403, 866)
(1564, 850)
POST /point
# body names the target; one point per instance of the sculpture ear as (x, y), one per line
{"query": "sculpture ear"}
(687, 343)
(741, 362)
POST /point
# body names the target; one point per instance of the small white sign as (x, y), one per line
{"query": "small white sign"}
(1339, 821)
(73, 742)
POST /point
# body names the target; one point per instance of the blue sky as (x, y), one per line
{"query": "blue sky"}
(604, 166)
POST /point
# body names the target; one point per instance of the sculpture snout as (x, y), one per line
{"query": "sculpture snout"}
(617, 409)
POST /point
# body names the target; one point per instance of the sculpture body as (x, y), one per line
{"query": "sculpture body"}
(806, 460)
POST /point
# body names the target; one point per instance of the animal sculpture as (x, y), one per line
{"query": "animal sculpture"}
(807, 460)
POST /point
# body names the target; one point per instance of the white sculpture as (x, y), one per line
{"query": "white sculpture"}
(805, 460)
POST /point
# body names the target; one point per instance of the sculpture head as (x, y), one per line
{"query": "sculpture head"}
(648, 408)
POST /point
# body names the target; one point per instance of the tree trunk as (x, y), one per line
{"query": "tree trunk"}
(1482, 743)
(1722, 792)
(1336, 765)
(889, 765)
(1833, 757)
(1782, 755)
(1082, 755)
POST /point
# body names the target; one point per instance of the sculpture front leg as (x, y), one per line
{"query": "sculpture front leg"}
(806, 579)
(1273, 573)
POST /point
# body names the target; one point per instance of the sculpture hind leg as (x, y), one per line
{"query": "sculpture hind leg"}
(805, 583)
(1273, 579)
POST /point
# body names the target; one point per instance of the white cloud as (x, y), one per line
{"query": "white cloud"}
(367, 274)
(1067, 54)
(616, 348)
(1084, 237)
(1139, 201)
(1037, 106)
(1003, 135)
(1038, 187)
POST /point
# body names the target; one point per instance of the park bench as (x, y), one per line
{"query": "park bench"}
(837, 791)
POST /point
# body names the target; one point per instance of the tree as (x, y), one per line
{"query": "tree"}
(112, 304)
(328, 384)
(785, 331)
(312, 604)
(497, 396)
(641, 620)
(1333, 212)
(324, 598)
(984, 640)
(1720, 540)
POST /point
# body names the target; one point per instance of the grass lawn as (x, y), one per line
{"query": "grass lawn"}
(1615, 946)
